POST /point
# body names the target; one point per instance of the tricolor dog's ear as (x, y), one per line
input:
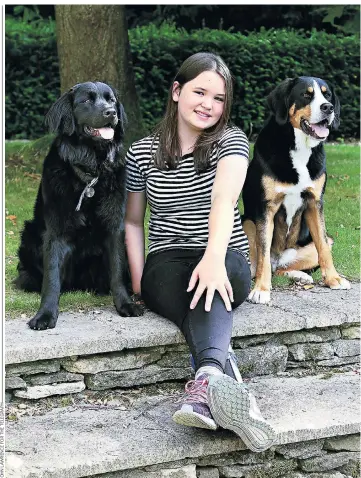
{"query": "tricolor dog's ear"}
(60, 117)
(337, 108)
(278, 100)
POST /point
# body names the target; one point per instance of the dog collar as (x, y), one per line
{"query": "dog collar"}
(88, 191)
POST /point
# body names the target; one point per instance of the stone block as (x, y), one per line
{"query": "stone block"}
(236, 458)
(31, 368)
(347, 348)
(262, 360)
(49, 378)
(14, 382)
(336, 361)
(352, 332)
(314, 352)
(188, 471)
(174, 359)
(114, 361)
(315, 335)
(208, 472)
(302, 450)
(345, 443)
(243, 342)
(48, 390)
(328, 462)
(132, 378)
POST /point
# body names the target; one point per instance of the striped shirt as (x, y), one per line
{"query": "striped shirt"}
(180, 199)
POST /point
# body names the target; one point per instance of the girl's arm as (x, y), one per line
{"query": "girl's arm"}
(134, 236)
(211, 271)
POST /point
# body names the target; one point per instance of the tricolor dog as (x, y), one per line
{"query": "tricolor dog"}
(286, 180)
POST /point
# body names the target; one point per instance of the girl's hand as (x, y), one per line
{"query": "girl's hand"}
(211, 274)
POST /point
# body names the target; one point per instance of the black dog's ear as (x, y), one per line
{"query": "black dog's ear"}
(123, 120)
(60, 117)
(337, 108)
(278, 100)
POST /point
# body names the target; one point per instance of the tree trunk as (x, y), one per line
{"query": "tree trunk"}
(93, 45)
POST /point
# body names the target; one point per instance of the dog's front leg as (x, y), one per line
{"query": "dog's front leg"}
(316, 224)
(116, 254)
(261, 293)
(55, 251)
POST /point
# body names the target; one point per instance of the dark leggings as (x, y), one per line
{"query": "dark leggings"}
(164, 290)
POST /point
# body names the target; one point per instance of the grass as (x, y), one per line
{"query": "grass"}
(23, 163)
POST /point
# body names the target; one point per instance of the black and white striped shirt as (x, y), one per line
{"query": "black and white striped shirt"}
(180, 199)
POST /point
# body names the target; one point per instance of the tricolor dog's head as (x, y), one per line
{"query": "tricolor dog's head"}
(308, 103)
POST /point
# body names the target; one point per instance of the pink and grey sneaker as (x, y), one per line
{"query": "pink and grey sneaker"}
(194, 411)
(234, 408)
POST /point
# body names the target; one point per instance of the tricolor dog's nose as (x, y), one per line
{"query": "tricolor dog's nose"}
(110, 113)
(327, 108)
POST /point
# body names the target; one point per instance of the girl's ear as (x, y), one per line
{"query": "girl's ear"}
(176, 91)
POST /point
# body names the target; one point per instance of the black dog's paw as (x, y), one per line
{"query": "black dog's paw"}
(43, 321)
(130, 309)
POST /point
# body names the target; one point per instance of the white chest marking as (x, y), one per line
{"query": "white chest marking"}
(300, 156)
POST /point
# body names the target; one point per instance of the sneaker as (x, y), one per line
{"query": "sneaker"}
(233, 407)
(231, 367)
(194, 411)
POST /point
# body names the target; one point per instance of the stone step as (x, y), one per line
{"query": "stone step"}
(104, 331)
(86, 440)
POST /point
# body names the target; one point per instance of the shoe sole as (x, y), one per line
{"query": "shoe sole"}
(193, 419)
(230, 407)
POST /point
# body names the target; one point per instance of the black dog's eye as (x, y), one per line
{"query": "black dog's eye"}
(307, 95)
(327, 95)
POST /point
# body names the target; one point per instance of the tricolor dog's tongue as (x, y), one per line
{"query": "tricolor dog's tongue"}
(321, 131)
(106, 133)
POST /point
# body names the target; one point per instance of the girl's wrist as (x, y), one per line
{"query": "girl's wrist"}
(217, 256)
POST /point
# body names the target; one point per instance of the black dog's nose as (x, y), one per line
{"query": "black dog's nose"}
(327, 108)
(110, 113)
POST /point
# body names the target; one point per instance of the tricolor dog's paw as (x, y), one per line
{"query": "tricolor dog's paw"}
(338, 283)
(259, 296)
(299, 276)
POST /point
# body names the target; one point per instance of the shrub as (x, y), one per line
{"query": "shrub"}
(258, 61)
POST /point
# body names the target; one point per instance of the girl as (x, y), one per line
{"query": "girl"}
(191, 172)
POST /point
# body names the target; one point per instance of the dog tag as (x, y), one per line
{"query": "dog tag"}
(89, 192)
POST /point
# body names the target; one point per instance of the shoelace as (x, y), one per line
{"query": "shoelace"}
(196, 391)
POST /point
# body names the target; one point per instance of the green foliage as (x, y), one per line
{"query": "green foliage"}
(32, 76)
(258, 61)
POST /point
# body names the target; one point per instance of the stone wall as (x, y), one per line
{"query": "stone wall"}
(327, 458)
(269, 354)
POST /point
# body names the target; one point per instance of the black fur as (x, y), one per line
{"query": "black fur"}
(63, 249)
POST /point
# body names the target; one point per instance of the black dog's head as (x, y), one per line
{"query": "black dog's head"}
(90, 110)
(308, 103)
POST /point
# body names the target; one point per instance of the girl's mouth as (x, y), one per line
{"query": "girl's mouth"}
(202, 115)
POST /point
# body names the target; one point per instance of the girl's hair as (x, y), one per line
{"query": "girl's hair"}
(169, 150)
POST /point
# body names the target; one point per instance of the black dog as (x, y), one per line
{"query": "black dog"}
(76, 239)
(284, 188)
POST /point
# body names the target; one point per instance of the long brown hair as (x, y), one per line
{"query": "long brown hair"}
(169, 150)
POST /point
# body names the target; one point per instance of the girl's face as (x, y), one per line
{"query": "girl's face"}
(200, 101)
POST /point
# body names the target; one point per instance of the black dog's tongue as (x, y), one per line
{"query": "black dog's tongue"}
(106, 133)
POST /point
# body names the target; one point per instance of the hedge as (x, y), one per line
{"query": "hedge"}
(258, 61)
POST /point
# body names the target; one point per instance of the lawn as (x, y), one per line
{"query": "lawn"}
(23, 163)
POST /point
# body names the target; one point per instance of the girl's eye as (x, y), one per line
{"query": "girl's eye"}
(220, 99)
(199, 92)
